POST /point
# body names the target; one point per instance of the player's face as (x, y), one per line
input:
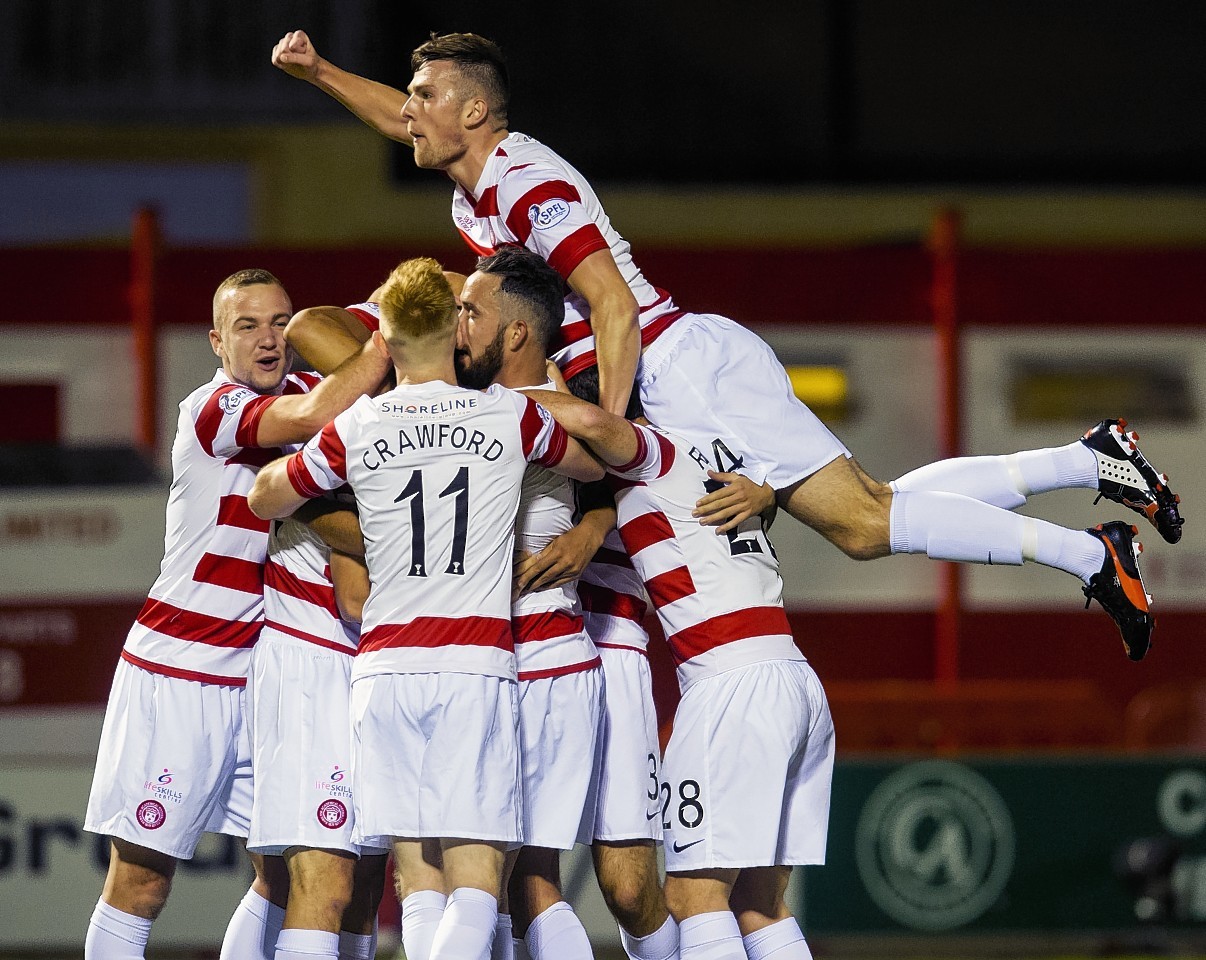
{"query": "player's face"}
(434, 115)
(250, 337)
(480, 332)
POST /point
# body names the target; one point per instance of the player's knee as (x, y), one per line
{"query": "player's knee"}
(630, 897)
(329, 884)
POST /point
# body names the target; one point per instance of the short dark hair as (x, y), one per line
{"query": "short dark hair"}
(480, 61)
(526, 275)
(585, 386)
(249, 277)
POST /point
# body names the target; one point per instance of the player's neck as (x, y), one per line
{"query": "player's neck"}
(410, 374)
(526, 373)
(467, 170)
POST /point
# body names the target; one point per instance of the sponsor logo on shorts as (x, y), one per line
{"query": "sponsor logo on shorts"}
(332, 814)
(548, 214)
(150, 814)
(934, 845)
(158, 787)
(337, 775)
(680, 847)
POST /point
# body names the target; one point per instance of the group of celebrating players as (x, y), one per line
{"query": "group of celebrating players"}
(402, 601)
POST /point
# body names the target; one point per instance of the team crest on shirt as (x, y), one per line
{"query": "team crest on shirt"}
(332, 814)
(548, 214)
(151, 814)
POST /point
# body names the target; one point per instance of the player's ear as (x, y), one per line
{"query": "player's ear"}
(380, 344)
(475, 112)
(215, 342)
(517, 335)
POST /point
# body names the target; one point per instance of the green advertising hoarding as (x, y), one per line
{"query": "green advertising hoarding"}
(1011, 845)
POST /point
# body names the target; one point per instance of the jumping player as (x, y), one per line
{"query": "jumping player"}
(436, 471)
(163, 780)
(511, 189)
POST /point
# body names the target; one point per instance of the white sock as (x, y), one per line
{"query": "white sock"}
(253, 929)
(504, 942)
(711, 936)
(662, 944)
(421, 913)
(946, 526)
(115, 935)
(358, 946)
(558, 933)
(295, 944)
(1007, 481)
(466, 931)
(783, 940)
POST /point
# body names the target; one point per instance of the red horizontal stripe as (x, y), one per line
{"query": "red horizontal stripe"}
(519, 219)
(283, 580)
(644, 531)
(597, 599)
(301, 382)
(183, 624)
(246, 576)
(487, 204)
(560, 671)
(575, 248)
(330, 444)
(195, 675)
(210, 418)
(440, 632)
(247, 431)
(738, 625)
(642, 451)
(667, 454)
(234, 512)
(370, 321)
(672, 585)
(530, 425)
(300, 478)
(309, 637)
(531, 627)
(558, 443)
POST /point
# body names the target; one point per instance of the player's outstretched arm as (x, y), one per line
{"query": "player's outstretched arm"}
(272, 495)
(378, 105)
(614, 318)
(297, 417)
(326, 336)
(612, 438)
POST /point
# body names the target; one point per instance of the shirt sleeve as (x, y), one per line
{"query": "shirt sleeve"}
(367, 313)
(229, 418)
(321, 465)
(546, 214)
(654, 456)
(544, 440)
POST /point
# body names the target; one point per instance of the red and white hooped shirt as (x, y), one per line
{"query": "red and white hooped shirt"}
(529, 196)
(205, 610)
(436, 471)
(719, 598)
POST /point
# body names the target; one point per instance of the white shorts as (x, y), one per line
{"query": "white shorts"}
(174, 762)
(436, 755)
(709, 379)
(628, 806)
(559, 720)
(299, 717)
(749, 770)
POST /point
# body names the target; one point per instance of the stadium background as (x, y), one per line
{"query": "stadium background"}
(967, 226)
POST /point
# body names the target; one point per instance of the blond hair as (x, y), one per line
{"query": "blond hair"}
(241, 278)
(416, 301)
